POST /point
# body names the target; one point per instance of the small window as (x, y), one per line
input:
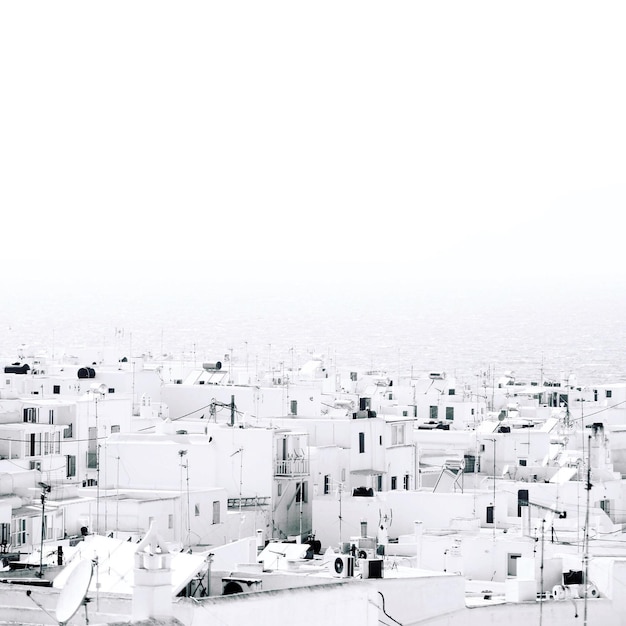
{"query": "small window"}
(326, 484)
(56, 389)
(50, 416)
(609, 393)
(279, 490)
(450, 413)
(294, 407)
(379, 482)
(394, 482)
(196, 509)
(522, 462)
(390, 396)
(115, 428)
(405, 413)
(67, 431)
(380, 440)
(361, 443)
(451, 392)
(111, 389)
(70, 466)
(353, 376)
(406, 482)
(216, 511)
(434, 412)
(170, 521)
(490, 515)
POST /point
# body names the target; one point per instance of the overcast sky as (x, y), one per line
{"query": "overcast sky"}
(442, 139)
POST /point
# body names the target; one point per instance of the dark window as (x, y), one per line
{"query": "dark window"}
(450, 413)
(294, 407)
(406, 482)
(56, 389)
(522, 500)
(434, 412)
(115, 428)
(490, 515)
(111, 390)
(361, 443)
(451, 392)
(70, 466)
(216, 511)
(522, 462)
(394, 482)
(67, 432)
(609, 393)
(301, 495)
(379, 482)
(353, 376)
(326, 484)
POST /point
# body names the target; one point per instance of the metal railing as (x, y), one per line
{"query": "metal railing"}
(291, 467)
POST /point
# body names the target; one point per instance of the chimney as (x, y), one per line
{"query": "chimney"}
(152, 593)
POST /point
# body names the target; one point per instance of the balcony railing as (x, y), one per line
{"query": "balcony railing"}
(292, 467)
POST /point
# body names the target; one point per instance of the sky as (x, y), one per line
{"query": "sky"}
(327, 141)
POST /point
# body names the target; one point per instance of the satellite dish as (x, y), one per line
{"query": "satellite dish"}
(73, 594)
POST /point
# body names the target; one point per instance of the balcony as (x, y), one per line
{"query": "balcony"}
(291, 467)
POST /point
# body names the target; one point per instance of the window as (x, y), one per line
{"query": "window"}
(301, 494)
(451, 392)
(57, 443)
(379, 482)
(279, 490)
(434, 412)
(115, 428)
(46, 443)
(50, 416)
(67, 432)
(170, 521)
(522, 462)
(111, 390)
(406, 482)
(216, 511)
(70, 466)
(5, 534)
(609, 393)
(30, 415)
(294, 407)
(390, 396)
(196, 509)
(394, 482)
(405, 413)
(326, 484)
(19, 531)
(361, 443)
(397, 434)
(490, 515)
(56, 389)
(353, 376)
(450, 413)
(522, 500)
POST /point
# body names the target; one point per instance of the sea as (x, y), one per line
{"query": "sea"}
(536, 330)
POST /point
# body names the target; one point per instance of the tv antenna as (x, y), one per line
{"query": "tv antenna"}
(73, 595)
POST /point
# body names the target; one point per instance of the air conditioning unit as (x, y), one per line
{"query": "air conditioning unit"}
(366, 553)
(342, 566)
(240, 584)
(372, 568)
